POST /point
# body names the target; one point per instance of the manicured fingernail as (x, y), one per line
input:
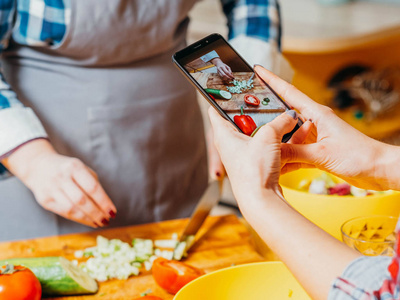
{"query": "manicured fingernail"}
(293, 114)
(218, 174)
(311, 120)
(257, 65)
(105, 222)
(112, 214)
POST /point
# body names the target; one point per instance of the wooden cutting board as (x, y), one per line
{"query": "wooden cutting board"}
(222, 241)
(214, 81)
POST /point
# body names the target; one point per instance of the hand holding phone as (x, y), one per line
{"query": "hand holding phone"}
(230, 84)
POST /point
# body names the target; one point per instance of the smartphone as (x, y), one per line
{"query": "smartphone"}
(230, 84)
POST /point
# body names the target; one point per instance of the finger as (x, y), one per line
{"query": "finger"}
(92, 187)
(289, 93)
(84, 202)
(65, 208)
(300, 136)
(224, 132)
(295, 166)
(228, 71)
(281, 125)
(305, 153)
(215, 166)
(221, 126)
(222, 73)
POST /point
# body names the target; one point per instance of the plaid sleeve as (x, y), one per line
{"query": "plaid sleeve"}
(18, 124)
(375, 278)
(254, 18)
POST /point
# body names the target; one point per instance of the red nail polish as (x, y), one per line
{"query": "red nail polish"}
(112, 214)
(105, 222)
(95, 224)
(218, 174)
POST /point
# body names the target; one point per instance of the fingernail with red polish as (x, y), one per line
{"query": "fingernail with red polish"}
(218, 174)
(112, 214)
(105, 222)
(95, 224)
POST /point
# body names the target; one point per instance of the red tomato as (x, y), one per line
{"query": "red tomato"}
(252, 100)
(19, 283)
(149, 297)
(173, 275)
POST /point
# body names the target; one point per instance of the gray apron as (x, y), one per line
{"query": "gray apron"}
(110, 95)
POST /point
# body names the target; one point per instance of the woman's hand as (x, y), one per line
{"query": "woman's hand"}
(61, 184)
(336, 146)
(257, 159)
(215, 167)
(224, 71)
(253, 166)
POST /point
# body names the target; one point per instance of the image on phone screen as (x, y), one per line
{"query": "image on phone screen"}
(230, 84)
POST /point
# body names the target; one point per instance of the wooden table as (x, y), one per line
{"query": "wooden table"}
(223, 241)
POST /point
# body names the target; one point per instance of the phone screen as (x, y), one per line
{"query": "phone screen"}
(230, 84)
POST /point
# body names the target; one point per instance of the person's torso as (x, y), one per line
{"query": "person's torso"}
(109, 94)
(107, 32)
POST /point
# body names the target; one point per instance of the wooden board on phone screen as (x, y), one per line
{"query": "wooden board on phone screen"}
(214, 81)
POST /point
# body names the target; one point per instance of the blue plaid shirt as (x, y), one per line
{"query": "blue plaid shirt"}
(43, 23)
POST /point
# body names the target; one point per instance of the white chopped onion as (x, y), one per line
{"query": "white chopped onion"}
(115, 259)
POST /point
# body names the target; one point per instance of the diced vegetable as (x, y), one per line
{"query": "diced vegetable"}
(240, 86)
(116, 259)
(325, 184)
(57, 275)
(166, 243)
(180, 250)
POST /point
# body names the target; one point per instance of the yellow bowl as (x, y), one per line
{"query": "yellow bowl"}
(265, 280)
(329, 211)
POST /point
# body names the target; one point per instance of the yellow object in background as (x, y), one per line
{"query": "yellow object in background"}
(266, 280)
(316, 61)
(371, 235)
(329, 212)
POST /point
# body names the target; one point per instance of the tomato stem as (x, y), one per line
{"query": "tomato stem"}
(9, 269)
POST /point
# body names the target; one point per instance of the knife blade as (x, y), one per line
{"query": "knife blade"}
(252, 76)
(207, 202)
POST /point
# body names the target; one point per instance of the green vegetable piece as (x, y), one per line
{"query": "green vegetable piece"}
(329, 180)
(57, 275)
(358, 115)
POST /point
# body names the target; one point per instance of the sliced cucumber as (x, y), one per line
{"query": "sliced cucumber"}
(219, 93)
(57, 275)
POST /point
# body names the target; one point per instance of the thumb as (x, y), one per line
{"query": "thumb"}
(300, 153)
(281, 125)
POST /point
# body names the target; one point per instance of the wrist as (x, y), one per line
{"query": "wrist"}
(22, 160)
(258, 201)
(387, 172)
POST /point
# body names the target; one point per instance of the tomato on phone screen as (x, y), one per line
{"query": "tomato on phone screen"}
(230, 84)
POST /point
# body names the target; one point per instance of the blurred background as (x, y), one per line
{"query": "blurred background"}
(345, 54)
